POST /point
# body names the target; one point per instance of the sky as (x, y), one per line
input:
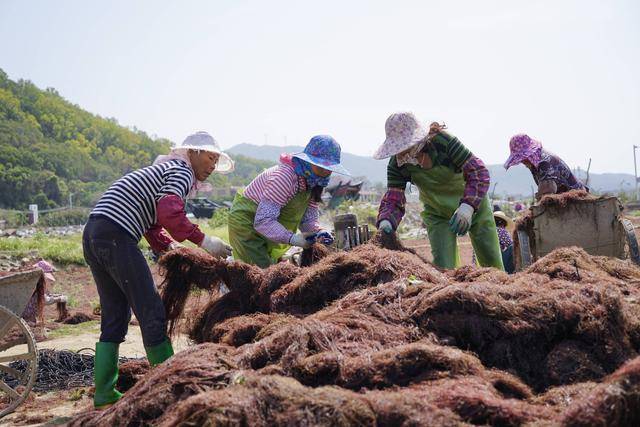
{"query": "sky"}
(279, 72)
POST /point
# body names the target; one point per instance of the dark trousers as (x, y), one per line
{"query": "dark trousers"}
(507, 260)
(124, 283)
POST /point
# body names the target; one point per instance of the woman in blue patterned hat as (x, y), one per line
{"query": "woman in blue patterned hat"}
(279, 208)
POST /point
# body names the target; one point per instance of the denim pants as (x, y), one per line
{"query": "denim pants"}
(124, 283)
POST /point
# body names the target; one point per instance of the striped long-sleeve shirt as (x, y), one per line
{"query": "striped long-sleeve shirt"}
(272, 190)
(131, 201)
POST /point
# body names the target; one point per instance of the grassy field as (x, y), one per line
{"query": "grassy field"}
(65, 250)
(59, 249)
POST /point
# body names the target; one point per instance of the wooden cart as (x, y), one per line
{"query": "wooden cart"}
(596, 225)
(18, 352)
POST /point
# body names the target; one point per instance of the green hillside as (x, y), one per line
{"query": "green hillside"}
(50, 148)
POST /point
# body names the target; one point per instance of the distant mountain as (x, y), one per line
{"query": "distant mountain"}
(359, 166)
(517, 181)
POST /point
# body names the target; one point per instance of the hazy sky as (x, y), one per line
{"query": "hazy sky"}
(566, 72)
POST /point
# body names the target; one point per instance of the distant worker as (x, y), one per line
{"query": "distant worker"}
(503, 227)
(143, 203)
(452, 182)
(33, 309)
(266, 216)
(550, 173)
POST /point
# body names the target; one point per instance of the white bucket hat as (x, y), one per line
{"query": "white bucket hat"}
(205, 142)
(403, 131)
(503, 216)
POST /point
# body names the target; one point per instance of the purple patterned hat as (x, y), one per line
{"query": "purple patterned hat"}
(403, 131)
(47, 269)
(522, 148)
(323, 151)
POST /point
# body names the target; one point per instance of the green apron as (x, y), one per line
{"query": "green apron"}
(251, 246)
(441, 189)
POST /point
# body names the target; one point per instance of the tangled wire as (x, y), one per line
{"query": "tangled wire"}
(58, 370)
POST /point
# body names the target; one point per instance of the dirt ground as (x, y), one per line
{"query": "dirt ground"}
(424, 248)
(77, 283)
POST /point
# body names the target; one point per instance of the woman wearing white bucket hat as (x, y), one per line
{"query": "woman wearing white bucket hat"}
(144, 202)
(452, 182)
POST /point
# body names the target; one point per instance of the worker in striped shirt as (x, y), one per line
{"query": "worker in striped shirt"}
(145, 202)
(453, 184)
(265, 218)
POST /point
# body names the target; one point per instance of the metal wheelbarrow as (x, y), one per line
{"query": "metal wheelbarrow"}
(18, 352)
(596, 225)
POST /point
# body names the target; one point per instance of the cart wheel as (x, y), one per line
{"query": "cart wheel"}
(18, 361)
(632, 242)
(525, 249)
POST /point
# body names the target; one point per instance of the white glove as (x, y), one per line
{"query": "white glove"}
(385, 225)
(460, 222)
(300, 239)
(216, 247)
(175, 245)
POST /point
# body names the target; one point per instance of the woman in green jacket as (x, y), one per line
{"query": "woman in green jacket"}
(453, 184)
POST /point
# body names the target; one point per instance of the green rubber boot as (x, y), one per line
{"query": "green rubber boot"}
(159, 353)
(105, 373)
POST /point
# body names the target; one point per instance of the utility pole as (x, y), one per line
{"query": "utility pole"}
(70, 200)
(635, 169)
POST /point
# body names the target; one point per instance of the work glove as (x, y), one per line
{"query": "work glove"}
(325, 237)
(460, 222)
(303, 240)
(155, 256)
(216, 247)
(174, 245)
(385, 225)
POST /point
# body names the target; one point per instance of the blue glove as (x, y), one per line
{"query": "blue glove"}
(385, 225)
(460, 222)
(324, 237)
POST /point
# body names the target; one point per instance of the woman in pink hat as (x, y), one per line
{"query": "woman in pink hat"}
(453, 186)
(550, 173)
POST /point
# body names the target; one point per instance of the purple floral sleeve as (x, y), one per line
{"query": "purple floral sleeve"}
(505, 239)
(266, 222)
(477, 180)
(310, 220)
(553, 168)
(392, 207)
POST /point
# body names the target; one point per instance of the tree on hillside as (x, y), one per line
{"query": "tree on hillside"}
(49, 147)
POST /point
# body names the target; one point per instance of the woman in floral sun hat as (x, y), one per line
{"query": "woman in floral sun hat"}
(550, 173)
(266, 215)
(453, 184)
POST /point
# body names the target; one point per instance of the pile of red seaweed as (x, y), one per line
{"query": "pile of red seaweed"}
(378, 337)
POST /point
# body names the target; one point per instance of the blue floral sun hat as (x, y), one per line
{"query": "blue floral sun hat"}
(323, 151)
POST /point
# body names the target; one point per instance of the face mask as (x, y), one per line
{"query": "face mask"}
(304, 169)
(410, 156)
